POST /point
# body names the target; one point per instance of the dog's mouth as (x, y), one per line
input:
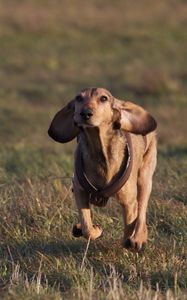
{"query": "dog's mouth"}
(84, 123)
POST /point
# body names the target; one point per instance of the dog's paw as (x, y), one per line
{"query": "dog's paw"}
(137, 241)
(77, 231)
(92, 233)
(95, 232)
(133, 245)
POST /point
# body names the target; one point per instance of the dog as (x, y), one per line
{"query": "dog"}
(116, 156)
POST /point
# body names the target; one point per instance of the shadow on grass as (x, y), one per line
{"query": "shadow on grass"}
(52, 248)
(72, 252)
(70, 272)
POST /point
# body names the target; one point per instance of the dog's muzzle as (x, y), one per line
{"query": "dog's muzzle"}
(86, 113)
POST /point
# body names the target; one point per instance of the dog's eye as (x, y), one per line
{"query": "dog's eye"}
(79, 98)
(103, 98)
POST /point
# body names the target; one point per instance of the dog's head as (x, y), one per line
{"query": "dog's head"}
(96, 107)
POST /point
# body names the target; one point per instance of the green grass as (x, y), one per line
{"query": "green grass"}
(49, 50)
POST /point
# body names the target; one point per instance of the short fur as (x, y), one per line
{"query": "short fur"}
(98, 119)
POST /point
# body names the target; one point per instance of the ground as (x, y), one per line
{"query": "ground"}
(49, 51)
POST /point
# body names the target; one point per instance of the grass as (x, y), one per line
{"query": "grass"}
(49, 51)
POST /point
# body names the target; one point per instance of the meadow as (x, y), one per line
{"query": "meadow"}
(49, 50)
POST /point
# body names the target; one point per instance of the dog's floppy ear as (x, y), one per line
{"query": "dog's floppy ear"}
(62, 128)
(133, 118)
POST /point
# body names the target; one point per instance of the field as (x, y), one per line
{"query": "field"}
(50, 50)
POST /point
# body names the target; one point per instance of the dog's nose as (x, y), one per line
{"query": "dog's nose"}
(86, 113)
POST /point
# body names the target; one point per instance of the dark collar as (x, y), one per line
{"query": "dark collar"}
(99, 197)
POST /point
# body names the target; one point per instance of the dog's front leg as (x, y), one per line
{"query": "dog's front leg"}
(86, 227)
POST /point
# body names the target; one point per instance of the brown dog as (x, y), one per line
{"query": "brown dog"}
(115, 156)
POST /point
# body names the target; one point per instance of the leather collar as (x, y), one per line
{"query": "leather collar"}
(99, 197)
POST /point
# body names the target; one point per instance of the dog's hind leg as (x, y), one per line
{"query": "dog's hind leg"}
(127, 197)
(144, 185)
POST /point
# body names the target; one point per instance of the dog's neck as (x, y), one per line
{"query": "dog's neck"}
(103, 151)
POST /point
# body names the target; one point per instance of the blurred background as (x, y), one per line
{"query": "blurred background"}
(49, 50)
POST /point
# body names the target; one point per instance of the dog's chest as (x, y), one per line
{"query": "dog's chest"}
(101, 165)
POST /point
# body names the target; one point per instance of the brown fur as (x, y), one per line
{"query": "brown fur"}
(99, 119)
